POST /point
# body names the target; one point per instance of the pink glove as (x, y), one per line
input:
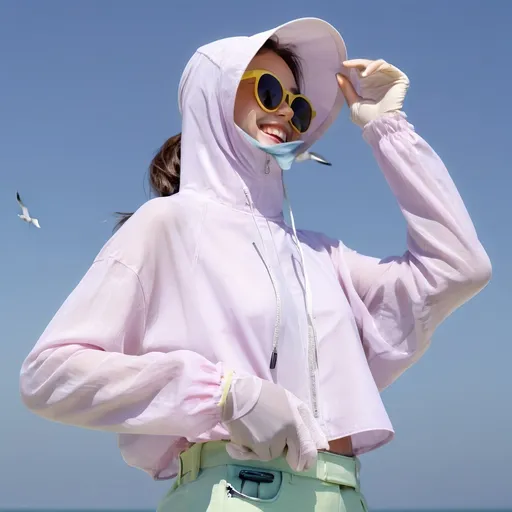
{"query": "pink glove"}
(265, 420)
(381, 89)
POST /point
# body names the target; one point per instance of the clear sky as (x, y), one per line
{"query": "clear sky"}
(88, 93)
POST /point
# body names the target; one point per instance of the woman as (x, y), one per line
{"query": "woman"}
(228, 349)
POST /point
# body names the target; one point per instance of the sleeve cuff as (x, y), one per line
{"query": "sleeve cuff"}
(384, 125)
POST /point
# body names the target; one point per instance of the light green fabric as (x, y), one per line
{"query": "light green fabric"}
(208, 473)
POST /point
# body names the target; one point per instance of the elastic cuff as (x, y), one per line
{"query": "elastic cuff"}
(385, 125)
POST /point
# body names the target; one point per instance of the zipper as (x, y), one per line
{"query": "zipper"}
(313, 365)
(312, 348)
(232, 492)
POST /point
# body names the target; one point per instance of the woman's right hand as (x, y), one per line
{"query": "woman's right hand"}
(264, 419)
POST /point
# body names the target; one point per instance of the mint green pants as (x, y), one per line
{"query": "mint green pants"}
(210, 480)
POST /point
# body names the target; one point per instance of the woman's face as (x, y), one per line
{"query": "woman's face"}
(267, 128)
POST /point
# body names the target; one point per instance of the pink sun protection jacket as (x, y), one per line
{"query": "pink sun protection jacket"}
(212, 279)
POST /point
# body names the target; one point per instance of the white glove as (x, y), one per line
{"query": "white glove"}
(381, 86)
(264, 419)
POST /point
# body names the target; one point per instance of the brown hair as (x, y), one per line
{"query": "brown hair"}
(164, 169)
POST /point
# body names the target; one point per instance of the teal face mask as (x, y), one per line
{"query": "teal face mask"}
(284, 153)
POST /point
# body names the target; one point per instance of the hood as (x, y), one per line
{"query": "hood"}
(215, 158)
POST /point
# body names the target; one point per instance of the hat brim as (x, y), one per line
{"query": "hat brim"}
(321, 51)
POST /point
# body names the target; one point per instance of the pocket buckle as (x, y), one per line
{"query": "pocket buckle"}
(260, 477)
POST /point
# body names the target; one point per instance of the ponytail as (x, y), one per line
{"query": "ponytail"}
(164, 173)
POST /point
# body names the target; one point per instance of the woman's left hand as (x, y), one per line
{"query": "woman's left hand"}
(383, 89)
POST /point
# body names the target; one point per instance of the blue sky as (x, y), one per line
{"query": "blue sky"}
(88, 93)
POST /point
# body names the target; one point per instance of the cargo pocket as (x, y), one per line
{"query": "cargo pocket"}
(252, 486)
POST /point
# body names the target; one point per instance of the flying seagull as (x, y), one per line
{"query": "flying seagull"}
(309, 155)
(25, 215)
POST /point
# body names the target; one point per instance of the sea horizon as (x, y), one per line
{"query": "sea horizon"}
(99, 509)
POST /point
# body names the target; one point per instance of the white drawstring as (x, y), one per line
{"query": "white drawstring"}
(312, 338)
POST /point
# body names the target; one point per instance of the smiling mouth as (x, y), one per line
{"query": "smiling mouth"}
(274, 133)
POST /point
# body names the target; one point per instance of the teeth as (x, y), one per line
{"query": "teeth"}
(273, 130)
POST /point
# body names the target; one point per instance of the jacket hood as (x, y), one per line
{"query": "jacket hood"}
(215, 158)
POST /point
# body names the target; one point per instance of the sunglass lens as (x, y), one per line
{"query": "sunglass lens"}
(302, 114)
(270, 92)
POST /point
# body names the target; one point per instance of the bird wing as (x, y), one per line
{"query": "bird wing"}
(309, 155)
(320, 159)
(24, 209)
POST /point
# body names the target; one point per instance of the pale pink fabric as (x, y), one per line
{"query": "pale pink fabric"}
(182, 292)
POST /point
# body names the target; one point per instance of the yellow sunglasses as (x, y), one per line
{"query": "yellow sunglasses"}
(270, 95)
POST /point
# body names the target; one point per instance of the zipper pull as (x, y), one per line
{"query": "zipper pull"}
(273, 359)
(267, 165)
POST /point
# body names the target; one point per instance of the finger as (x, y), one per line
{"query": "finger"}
(347, 89)
(315, 432)
(277, 446)
(293, 455)
(262, 451)
(294, 446)
(394, 72)
(373, 67)
(240, 452)
(301, 455)
(301, 445)
(357, 63)
(319, 438)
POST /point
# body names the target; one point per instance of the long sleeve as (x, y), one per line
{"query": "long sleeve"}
(85, 369)
(408, 296)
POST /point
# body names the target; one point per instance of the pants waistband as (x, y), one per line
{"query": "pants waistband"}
(330, 468)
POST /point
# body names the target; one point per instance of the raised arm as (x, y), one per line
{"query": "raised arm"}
(406, 297)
